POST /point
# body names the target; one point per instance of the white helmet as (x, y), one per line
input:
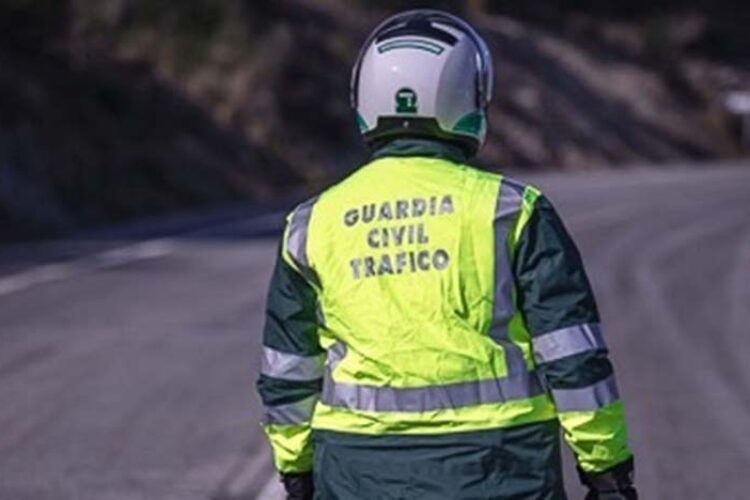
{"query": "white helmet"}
(423, 73)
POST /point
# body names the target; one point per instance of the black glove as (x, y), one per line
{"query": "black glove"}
(613, 484)
(298, 486)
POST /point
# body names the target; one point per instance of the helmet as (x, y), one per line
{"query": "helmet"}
(423, 73)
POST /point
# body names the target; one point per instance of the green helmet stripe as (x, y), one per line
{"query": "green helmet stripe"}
(362, 124)
(470, 123)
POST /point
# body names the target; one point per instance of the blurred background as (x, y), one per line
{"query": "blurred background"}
(113, 109)
(149, 150)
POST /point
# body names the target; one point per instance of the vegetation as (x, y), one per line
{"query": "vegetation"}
(119, 108)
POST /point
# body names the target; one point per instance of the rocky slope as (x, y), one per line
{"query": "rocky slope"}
(119, 108)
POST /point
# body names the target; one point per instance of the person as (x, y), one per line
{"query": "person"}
(430, 326)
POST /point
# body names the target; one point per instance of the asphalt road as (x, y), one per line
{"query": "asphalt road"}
(128, 373)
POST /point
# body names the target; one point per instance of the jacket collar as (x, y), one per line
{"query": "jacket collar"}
(420, 147)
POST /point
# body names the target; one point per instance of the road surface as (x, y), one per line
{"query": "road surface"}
(127, 373)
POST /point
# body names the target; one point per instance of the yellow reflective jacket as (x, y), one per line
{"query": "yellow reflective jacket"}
(421, 296)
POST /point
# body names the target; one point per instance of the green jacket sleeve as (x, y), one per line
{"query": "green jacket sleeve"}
(560, 312)
(292, 368)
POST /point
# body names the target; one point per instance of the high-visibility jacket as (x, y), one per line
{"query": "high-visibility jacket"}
(422, 299)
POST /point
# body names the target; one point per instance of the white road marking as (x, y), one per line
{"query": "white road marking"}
(244, 479)
(724, 393)
(145, 250)
(738, 298)
(253, 473)
(273, 490)
(49, 273)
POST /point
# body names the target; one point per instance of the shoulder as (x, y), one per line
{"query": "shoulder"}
(308, 213)
(530, 193)
(479, 174)
(295, 235)
(517, 186)
(518, 195)
(300, 214)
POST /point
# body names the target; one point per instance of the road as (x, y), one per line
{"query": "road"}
(128, 373)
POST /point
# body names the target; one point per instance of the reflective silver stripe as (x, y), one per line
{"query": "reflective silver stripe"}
(298, 412)
(439, 397)
(335, 354)
(287, 366)
(296, 241)
(567, 342)
(588, 398)
(509, 202)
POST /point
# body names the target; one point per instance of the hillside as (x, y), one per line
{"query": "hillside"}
(119, 108)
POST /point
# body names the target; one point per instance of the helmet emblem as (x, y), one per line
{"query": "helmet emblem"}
(406, 101)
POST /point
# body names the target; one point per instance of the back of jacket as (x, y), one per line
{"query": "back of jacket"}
(421, 298)
(411, 260)
(404, 252)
